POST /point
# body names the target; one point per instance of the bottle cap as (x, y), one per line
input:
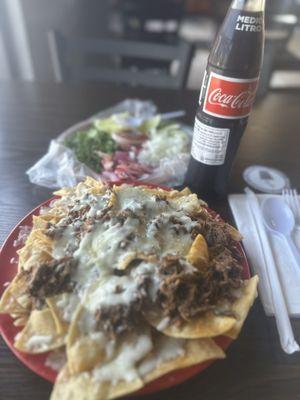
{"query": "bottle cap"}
(265, 179)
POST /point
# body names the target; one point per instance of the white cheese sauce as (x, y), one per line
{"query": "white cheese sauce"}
(102, 246)
(38, 342)
(67, 305)
(188, 204)
(164, 323)
(115, 290)
(123, 367)
(60, 246)
(166, 349)
(158, 226)
(172, 230)
(139, 201)
(56, 359)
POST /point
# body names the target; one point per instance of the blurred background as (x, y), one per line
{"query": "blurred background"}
(123, 40)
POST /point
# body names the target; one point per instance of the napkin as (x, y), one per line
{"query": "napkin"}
(273, 261)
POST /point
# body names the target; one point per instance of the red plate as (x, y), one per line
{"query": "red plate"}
(37, 362)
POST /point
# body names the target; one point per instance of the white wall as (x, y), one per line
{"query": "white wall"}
(28, 21)
(5, 72)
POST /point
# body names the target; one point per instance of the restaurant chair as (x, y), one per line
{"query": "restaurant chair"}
(279, 31)
(155, 20)
(91, 59)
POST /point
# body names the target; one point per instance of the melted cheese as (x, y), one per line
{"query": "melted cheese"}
(114, 290)
(67, 305)
(139, 201)
(60, 246)
(163, 231)
(188, 204)
(102, 246)
(145, 269)
(157, 226)
(87, 322)
(107, 294)
(166, 349)
(123, 367)
(38, 341)
(56, 359)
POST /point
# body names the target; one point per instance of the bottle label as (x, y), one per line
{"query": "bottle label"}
(249, 23)
(209, 144)
(229, 98)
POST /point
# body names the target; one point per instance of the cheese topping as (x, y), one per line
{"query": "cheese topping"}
(123, 367)
(167, 348)
(124, 268)
(115, 290)
(137, 222)
(38, 341)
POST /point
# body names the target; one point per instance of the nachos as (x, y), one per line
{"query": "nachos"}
(132, 282)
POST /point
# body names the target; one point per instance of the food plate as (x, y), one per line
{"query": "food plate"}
(37, 362)
(130, 141)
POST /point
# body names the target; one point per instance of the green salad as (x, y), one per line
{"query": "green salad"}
(87, 144)
(117, 150)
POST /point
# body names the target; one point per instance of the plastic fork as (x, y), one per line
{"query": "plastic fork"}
(290, 196)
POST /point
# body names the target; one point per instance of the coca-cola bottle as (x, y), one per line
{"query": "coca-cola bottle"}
(226, 99)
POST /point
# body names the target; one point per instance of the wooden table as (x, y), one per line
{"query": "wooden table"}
(31, 114)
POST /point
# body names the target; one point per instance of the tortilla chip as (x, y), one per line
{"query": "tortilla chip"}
(126, 260)
(21, 320)
(92, 185)
(15, 299)
(185, 192)
(37, 250)
(188, 203)
(39, 222)
(40, 334)
(175, 193)
(198, 254)
(193, 352)
(234, 233)
(242, 306)
(84, 387)
(61, 326)
(206, 326)
(211, 325)
(94, 361)
(84, 351)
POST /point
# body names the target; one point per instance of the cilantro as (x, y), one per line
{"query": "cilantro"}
(86, 144)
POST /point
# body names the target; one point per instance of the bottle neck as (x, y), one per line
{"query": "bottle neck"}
(249, 5)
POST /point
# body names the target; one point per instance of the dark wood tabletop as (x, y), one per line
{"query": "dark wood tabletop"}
(32, 114)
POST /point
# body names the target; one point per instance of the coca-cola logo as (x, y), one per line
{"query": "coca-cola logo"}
(243, 100)
(228, 97)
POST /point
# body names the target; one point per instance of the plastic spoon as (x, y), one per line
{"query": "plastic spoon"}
(279, 219)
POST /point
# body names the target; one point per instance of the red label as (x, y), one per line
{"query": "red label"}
(229, 98)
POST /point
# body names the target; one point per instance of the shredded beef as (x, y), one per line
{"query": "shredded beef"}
(185, 293)
(177, 225)
(79, 220)
(51, 278)
(226, 271)
(181, 294)
(122, 318)
(118, 319)
(215, 233)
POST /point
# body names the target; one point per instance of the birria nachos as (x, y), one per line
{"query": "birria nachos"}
(132, 282)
